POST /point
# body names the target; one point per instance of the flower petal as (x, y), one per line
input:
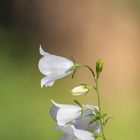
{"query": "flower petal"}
(56, 65)
(66, 113)
(67, 129)
(42, 52)
(53, 112)
(71, 132)
(82, 134)
(65, 105)
(83, 122)
(47, 82)
(67, 137)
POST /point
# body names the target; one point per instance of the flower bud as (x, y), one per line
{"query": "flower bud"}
(99, 67)
(81, 89)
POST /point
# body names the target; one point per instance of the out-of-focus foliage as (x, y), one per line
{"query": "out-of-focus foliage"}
(24, 105)
(84, 30)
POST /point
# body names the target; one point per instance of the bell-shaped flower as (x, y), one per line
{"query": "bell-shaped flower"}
(81, 89)
(82, 119)
(53, 67)
(64, 113)
(88, 121)
(71, 133)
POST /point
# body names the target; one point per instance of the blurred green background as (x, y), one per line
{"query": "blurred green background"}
(86, 30)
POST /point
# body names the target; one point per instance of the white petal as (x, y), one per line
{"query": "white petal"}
(83, 122)
(65, 105)
(96, 127)
(61, 63)
(47, 82)
(68, 132)
(82, 134)
(67, 137)
(55, 65)
(42, 52)
(66, 113)
(43, 81)
(72, 132)
(67, 129)
(43, 66)
(53, 112)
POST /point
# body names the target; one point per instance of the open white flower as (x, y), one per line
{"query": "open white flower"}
(71, 133)
(74, 120)
(53, 67)
(64, 113)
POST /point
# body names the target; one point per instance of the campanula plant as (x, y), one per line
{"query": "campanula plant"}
(76, 121)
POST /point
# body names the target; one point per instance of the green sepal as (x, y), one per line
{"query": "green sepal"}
(73, 74)
(105, 122)
(78, 103)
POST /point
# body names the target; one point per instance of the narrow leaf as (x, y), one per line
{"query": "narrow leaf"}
(104, 115)
(79, 104)
(74, 72)
(107, 120)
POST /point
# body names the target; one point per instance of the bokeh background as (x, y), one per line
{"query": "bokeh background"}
(86, 30)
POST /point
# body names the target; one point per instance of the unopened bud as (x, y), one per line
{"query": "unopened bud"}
(81, 89)
(99, 67)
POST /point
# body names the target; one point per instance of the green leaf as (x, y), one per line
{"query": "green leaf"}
(104, 115)
(79, 104)
(74, 72)
(97, 111)
(94, 120)
(97, 118)
(91, 115)
(107, 120)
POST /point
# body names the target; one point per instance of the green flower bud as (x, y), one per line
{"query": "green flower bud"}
(99, 67)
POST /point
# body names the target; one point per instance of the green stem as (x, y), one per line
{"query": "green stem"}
(99, 105)
(98, 96)
(91, 70)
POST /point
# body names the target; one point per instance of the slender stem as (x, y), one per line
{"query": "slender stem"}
(91, 70)
(98, 96)
(99, 105)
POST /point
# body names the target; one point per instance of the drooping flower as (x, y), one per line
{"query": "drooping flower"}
(53, 67)
(72, 120)
(64, 113)
(81, 89)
